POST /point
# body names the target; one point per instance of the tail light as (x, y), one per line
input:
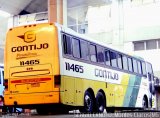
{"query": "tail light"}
(57, 81)
(6, 84)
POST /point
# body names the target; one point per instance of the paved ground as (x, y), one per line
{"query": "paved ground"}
(104, 115)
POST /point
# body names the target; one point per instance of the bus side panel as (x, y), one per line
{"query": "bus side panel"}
(79, 91)
(73, 89)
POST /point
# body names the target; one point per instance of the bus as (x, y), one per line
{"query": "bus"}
(1, 84)
(52, 68)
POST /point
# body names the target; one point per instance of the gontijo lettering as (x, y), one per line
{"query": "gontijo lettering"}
(106, 74)
(30, 47)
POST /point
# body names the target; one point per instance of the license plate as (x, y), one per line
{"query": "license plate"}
(35, 85)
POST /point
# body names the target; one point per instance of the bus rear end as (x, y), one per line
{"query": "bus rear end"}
(31, 66)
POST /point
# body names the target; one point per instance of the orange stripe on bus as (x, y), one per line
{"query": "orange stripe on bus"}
(31, 80)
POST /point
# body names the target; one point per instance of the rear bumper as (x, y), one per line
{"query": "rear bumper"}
(32, 98)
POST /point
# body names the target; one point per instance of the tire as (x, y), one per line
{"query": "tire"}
(100, 102)
(144, 103)
(89, 103)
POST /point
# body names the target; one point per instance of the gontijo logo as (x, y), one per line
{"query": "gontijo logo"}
(28, 36)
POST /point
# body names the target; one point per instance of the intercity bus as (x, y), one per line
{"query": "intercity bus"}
(48, 67)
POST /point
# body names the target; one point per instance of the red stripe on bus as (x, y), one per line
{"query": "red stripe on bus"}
(31, 80)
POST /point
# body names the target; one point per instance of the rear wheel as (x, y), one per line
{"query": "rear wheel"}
(89, 103)
(144, 103)
(100, 100)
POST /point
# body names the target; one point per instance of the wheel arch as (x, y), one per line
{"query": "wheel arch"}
(91, 91)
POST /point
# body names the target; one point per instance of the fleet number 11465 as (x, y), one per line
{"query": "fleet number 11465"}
(29, 62)
(74, 67)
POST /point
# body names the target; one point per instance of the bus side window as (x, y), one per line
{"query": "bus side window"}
(125, 62)
(93, 53)
(130, 64)
(113, 57)
(149, 68)
(84, 50)
(135, 66)
(67, 48)
(107, 58)
(139, 67)
(76, 47)
(119, 58)
(100, 55)
(144, 68)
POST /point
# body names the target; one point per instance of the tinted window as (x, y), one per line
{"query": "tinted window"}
(139, 45)
(119, 58)
(135, 66)
(76, 48)
(107, 57)
(151, 44)
(149, 68)
(84, 50)
(100, 55)
(139, 67)
(113, 58)
(144, 68)
(125, 63)
(93, 53)
(130, 67)
(67, 44)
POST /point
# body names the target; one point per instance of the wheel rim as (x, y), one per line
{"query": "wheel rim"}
(88, 102)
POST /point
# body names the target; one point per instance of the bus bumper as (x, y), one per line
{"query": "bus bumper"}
(32, 98)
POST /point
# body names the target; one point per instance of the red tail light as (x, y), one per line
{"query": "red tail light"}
(57, 81)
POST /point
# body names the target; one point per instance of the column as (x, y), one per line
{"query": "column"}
(55, 11)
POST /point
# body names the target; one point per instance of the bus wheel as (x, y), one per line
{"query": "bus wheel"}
(144, 103)
(89, 101)
(100, 100)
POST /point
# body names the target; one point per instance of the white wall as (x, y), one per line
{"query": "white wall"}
(142, 22)
(3, 30)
